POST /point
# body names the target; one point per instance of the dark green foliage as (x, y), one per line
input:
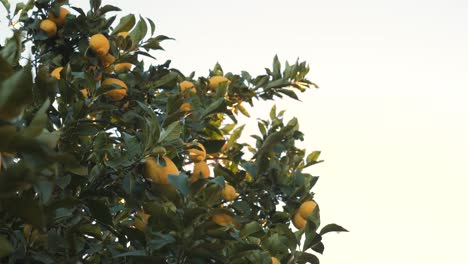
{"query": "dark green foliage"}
(73, 163)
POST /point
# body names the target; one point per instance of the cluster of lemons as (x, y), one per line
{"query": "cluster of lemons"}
(304, 211)
(53, 22)
(187, 88)
(99, 44)
(158, 173)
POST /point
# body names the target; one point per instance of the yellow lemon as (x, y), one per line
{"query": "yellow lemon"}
(197, 152)
(49, 27)
(222, 219)
(200, 171)
(124, 66)
(60, 19)
(85, 93)
(123, 34)
(306, 209)
(99, 44)
(230, 193)
(141, 221)
(185, 107)
(187, 87)
(56, 72)
(157, 172)
(215, 81)
(298, 221)
(275, 261)
(107, 60)
(115, 94)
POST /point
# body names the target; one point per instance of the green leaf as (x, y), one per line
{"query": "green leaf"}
(278, 83)
(250, 228)
(332, 228)
(152, 25)
(236, 134)
(171, 76)
(131, 253)
(126, 24)
(313, 157)
(213, 107)
(6, 248)
(39, 121)
(276, 67)
(139, 32)
(95, 4)
(100, 211)
(12, 49)
(172, 132)
(305, 257)
(180, 182)
(44, 189)
(6, 4)
(109, 8)
(161, 241)
(15, 92)
(5, 69)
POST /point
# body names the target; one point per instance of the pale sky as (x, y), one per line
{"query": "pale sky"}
(390, 116)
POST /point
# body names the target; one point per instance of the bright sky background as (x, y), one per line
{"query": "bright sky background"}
(390, 116)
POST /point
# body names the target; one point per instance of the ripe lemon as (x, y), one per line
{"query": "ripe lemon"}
(185, 107)
(99, 44)
(123, 34)
(298, 221)
(85, 93)
(49, 27)
(197, 152)
(141, 221)
(275, 261)
(56, 72)
(222, 219)
(306, 209)
(124, 66)
(157, 173)
(200, 171)
(107, 60)
(115, 94)
(187, 87)
(60, 19)
(230, 193)
(215, 81)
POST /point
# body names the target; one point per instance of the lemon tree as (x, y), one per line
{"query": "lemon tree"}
(106, 159)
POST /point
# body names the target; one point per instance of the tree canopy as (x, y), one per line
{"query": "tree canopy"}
(107, 160)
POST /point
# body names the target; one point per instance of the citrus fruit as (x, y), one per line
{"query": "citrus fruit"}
(49, 27)
(56, 72)
(200, 171)
(159, 173)
(187, 87)
(230, 193)
(275, 261)
(197, 152)
(298, 221)
(115, 94)
(306, 209)
(141, 221)
(215, 81)
(185, 107)
(222, 219)
(123, 34)
(124, 66)
(60, 19)
(99, 44)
